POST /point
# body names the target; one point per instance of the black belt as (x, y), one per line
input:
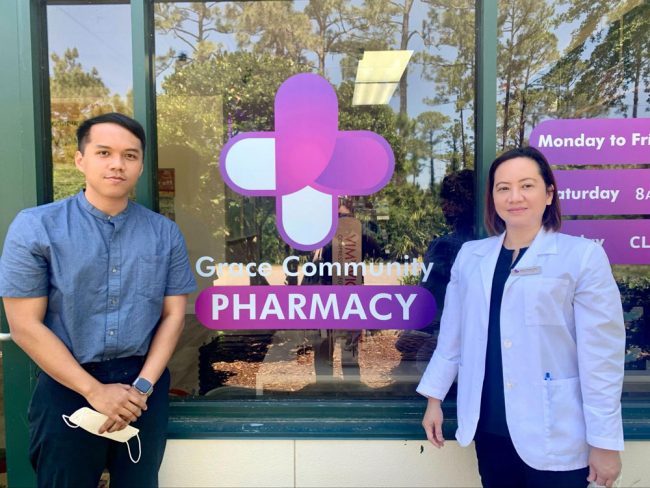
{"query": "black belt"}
(114, 364)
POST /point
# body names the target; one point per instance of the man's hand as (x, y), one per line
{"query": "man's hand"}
(121, 403)
(432, 423)
(604, 466)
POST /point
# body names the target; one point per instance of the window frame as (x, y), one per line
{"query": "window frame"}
(27, 181)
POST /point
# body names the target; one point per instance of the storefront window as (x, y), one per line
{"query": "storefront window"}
(403, 70)
(90, 73)
(578, 61)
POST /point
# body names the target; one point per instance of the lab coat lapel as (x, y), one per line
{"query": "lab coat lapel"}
(544, 243)
(490, 252)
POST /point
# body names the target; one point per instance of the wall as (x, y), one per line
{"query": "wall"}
(340, 463)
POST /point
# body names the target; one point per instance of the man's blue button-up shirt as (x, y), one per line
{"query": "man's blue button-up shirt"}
(105, 277)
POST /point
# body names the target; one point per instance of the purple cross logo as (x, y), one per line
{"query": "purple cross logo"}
(306, 163)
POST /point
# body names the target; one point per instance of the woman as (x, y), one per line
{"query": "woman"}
(533, 327)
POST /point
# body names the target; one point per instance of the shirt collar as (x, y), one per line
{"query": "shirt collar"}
(88, 207)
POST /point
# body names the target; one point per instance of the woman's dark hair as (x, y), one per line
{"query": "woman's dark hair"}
(133, 126)
(552, 218)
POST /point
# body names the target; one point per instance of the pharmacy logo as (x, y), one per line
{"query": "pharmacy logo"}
(307, 162)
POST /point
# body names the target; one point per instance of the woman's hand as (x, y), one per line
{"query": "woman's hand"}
(432, 423)
(604, 466)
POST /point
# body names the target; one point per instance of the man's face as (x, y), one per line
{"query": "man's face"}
(111, 162)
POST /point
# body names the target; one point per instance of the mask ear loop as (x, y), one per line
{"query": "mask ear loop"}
(66, 419)
(137, 436)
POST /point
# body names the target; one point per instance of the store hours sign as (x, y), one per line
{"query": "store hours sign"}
(602, 192)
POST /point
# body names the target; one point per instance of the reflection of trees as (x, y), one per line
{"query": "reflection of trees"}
(603, 70)
(76, 94)
(390, 20)
(332, 19)
(619, 63)
(343, 30)
(271, 27)
(429, 127)
(205, 103)
(413, 215)
(277, 39)
(527, 47)
(192, 25)
(451, 30)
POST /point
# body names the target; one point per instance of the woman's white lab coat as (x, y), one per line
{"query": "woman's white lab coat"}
(562, 348)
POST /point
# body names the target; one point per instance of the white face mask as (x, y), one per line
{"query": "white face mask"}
(90, 420)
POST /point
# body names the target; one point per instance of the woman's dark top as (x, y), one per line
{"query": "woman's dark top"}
(493, 408)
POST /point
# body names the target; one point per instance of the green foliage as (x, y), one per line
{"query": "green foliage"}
(287, 35)
(414, 219)
(69, 80)
(243, 86)
(332, 19)
(635, 295)
(193, 25)
(622, 56)
(68, 180)
(76, 94)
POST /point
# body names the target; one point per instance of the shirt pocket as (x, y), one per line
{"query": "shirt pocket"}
(151, 276)
(544, 300)
(564, 421)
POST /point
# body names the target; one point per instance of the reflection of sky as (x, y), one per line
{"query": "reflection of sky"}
(101, 34)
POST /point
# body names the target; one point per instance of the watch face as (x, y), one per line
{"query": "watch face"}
(142, 385)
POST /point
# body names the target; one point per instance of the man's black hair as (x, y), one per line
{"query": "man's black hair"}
(133, 126)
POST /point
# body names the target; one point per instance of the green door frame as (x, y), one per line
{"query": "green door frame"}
(26, 181)
(486, 101)
(25, 165)
(144, 96)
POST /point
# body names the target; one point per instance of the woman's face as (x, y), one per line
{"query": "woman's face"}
(520, 194)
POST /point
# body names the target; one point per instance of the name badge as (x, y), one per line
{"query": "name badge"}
(533, 270)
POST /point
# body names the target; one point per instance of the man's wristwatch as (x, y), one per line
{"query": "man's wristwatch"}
(143, 386)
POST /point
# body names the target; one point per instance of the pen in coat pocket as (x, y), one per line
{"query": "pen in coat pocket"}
(547, 376)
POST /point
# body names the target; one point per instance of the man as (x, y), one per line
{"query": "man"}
(94, 288)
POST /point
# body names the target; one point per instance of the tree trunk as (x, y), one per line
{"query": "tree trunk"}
(523, 107)
(522, 117)
(506, 113)
(463, 147)
(506, 105)
(403, 82)
(431, 163)
(637, 82)
(454, 154)
(321, 49)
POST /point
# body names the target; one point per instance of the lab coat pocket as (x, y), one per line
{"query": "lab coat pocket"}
(564, 423)
(152, 273)
(544, 300)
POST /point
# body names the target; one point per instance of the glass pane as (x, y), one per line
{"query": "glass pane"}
(219, 67)
(90, 74)
(582, 60)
